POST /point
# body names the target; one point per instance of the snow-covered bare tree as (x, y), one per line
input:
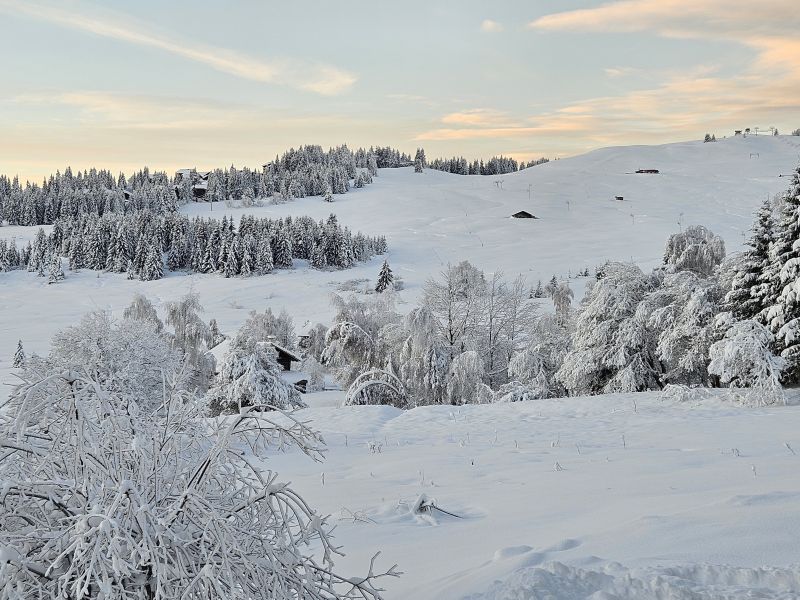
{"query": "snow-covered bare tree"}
(355, 341)
(465, 379)
(455, 302)
(115, 487)
(743, 360)
(679, 316)
(606, 354)
(192, 336)
(695, 249)
(561, 295)
(532, 370)
(141, 309)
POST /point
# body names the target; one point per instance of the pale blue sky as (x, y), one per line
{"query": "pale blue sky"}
(203, 83)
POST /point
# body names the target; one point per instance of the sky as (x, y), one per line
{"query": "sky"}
(202, 83)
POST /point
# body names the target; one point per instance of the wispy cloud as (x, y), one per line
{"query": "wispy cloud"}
(680, 17)
(490, 26)
(482, 117)
(127, 111)
(317, 78)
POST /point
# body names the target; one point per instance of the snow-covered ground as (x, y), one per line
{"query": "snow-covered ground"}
(699, 495)
(561, 489)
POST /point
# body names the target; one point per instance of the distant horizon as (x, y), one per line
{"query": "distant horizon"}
(257, 165)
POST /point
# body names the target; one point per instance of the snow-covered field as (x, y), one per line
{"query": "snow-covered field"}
(685, 496)
(561, 489)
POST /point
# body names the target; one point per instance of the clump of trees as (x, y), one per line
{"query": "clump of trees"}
(497, 165)
(463, 344)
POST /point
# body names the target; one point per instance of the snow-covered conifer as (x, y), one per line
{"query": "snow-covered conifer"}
(747, 298)
(19, 356)
(56, 273)
(385, 278)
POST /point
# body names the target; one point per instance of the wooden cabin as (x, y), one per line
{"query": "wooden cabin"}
(650, 171)
(523, 214)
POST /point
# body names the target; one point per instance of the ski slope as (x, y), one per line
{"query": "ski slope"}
(623, 497)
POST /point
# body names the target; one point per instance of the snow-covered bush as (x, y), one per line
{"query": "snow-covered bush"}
(744, 361)
(115, 487)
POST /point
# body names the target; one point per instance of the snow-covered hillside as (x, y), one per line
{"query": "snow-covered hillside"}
(436, 218)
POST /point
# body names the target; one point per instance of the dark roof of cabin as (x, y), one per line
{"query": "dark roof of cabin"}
(285, 352)
(523, 214)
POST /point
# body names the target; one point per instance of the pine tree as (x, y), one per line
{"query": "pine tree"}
(385, 278)
(153, 265)
(283, 250)
(231, 260)
(248, 255)
(539, 291)
(328, 194)
(748, 295)
(784, 315)
(56, 270)
(19, 356)
(264, 262)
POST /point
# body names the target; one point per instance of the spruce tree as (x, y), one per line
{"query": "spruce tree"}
(784, 315)
(56, 270)
(749, 296)
(283, 250)
(231, 268)
(19, 356)
(154, 264)
(385, 278)
(248, 256)
(264, 262)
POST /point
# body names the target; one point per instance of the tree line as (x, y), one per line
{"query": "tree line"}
(143, 243)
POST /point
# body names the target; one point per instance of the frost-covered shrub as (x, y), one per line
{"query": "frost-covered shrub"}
(114, 486)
